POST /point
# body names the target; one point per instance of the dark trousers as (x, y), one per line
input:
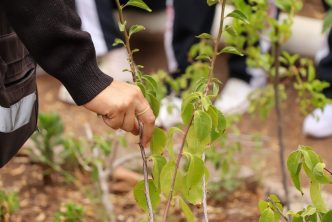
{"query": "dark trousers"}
(324, 66)
(109, 26)
(193, 17)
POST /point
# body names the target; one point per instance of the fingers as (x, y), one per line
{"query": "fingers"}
(130, 122)
(115, 122)
(148, 121)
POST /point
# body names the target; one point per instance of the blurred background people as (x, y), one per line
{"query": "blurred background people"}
(319, 123)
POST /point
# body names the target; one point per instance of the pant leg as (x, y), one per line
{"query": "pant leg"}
(190, 18)
(324, 60)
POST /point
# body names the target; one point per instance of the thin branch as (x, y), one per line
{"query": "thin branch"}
(329, 171)
(103, 179)
(279, 211)
(210, 77)
(170, 196)
(127, 41)
(280, 131)
(133, 72)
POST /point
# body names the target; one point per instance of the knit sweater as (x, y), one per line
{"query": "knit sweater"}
(50, 30)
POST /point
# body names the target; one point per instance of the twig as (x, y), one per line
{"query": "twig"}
(119, 162)
(102, 179)
(170, 196)
(329, 171)
(212, 66)
(280, 131)
(133, 72)
(205, 210)
(279, 211)
(127, 42)
(146, 176)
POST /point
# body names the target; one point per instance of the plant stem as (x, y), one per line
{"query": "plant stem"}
(170, 196)
(103, 177)
(329, 171)
(216, 43)
(280, 131)
(279, 211)
(210, 77)
(133, 72)
(127, 42)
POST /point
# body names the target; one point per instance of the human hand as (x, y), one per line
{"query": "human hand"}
(121, 106)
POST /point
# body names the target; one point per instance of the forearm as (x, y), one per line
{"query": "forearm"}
(50, 29)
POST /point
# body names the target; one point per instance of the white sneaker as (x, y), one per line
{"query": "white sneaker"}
(113, 64)
(170, 112)
(234, 97)
(319, 123)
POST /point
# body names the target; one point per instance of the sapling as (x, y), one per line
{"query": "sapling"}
(280, 67)
(302, 160)
(203, 124)
(70, 213)
(49, 137)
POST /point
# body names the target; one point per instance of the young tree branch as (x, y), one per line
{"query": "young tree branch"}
(206, 91)
(133, 72)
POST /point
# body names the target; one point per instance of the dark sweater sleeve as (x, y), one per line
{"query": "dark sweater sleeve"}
(50, 29)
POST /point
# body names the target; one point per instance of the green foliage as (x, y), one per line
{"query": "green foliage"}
(139, 4)
(306, 160)
(51, 149)
(139, 194)
(9, 203)
(70, 213)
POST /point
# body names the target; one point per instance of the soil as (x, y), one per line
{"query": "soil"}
(39, 202)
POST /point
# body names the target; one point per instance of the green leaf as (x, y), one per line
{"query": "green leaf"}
(319, 174)
(135, 28)
(169, 142)
(327, 217)
(187, 108)
(218, 123)
(237, 14)
(203, 127)
(327, 21)
(267, 216)
(205, 36)
(139, 194)
(195, 171)
(154, 103)
(186, 211)
(212, 2)
(309, 211)
(231, 31)
(194, 195)
(193, 144)
(158, 164)
(139, 4)
(231, 50)
(262, 206)
(167, 175)
(294, 165)
(118, 41)
(158, 141)
(316, 197)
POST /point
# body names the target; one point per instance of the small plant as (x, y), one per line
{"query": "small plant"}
(282, 69)
(203, 123)
(51, 149)
(307, 161)
(70, 213)
(9, 203)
